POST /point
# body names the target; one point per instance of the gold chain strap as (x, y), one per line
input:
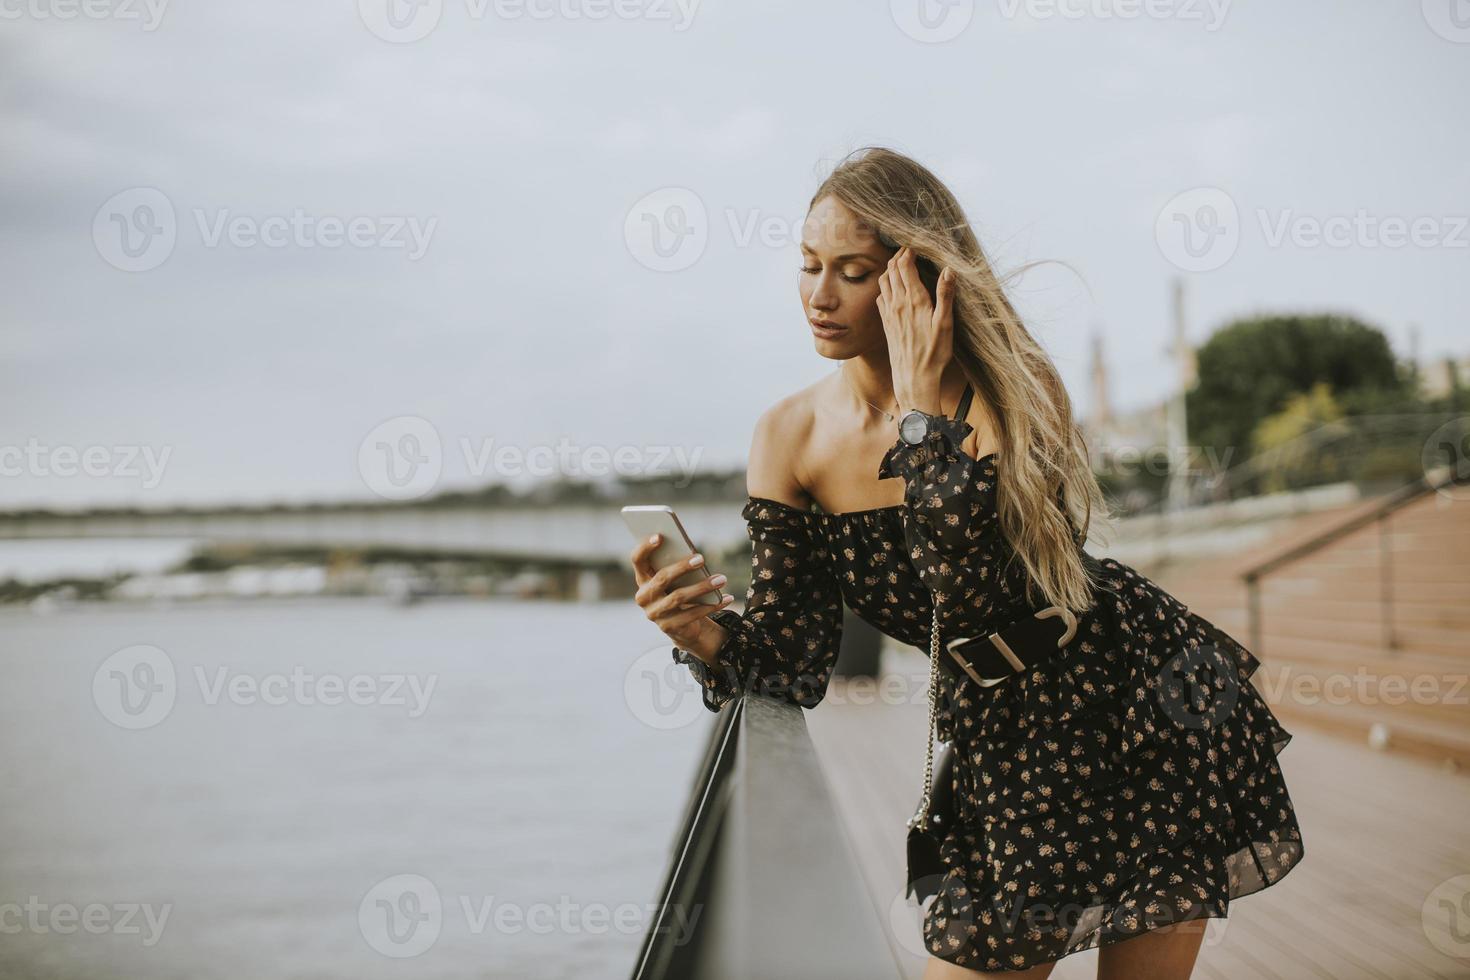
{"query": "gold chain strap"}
(933, 714)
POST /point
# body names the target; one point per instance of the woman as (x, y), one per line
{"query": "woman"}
(1115, 793)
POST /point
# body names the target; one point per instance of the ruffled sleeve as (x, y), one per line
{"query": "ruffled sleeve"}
(950, 495)
(786, 641)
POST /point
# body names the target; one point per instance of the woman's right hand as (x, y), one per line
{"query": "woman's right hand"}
(678, 613)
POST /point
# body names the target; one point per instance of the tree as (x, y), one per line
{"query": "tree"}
(1289, 438)
(1249, 369)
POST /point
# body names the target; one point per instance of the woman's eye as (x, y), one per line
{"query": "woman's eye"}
(845, 277)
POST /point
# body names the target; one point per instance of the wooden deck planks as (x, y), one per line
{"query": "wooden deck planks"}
(1381, 831)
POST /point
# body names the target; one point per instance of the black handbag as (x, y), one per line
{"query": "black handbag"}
(936, 812)
(987, 660)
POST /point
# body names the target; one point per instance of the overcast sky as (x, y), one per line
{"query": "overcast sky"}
(498, 176)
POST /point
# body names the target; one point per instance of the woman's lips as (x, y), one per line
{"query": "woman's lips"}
(827, 331)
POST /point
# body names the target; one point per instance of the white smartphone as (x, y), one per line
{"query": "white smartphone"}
(674, 545)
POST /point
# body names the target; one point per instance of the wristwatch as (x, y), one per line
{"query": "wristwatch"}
(914, 426)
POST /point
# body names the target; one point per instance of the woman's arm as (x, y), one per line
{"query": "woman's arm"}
(785, 644)
(949, 492)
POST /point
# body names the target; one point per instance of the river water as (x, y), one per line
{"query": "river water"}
(337, 788)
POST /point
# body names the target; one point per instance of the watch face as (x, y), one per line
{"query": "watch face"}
(913, 427)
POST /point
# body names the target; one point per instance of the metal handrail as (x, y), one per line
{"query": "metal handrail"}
(1379, 514)
(761, 874)
(663, 952)
(1223, 485)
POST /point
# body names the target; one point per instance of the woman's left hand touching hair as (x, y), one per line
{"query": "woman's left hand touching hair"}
(920, 331)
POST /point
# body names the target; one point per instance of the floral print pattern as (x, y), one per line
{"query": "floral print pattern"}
(1126, 781)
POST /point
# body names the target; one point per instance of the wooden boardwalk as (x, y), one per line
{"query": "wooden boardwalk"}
(1381, 832)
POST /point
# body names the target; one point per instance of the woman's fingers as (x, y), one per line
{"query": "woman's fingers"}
(690, 594)
(675, 622)
(893, 276)
(643, 569)
(908, 274)
(944, 300)
(667, 609)
(656, 589)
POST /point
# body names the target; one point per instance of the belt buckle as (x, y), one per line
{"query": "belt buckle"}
(1069, 619)
(952, 647)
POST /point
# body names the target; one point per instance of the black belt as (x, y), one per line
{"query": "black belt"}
(998, 656)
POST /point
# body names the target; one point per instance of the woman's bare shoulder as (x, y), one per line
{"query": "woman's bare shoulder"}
(778, 446)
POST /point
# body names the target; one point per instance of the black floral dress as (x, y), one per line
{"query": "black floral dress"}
(1128, 782)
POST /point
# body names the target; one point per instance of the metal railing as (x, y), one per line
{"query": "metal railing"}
(1378, 514)
(1368, 449)
(762, 881)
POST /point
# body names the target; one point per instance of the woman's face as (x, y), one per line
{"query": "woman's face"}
(841, 260)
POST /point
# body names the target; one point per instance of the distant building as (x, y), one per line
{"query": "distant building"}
(1110, 432)
(1441, 376)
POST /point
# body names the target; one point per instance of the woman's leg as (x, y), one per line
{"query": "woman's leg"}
(938, 969)
(1161, 954)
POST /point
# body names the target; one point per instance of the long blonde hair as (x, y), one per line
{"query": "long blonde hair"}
(1047, 492)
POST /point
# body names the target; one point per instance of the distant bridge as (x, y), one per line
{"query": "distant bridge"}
(593, 533)
(579, 533)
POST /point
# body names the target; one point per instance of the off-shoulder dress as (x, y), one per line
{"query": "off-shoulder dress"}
(1128, 782)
